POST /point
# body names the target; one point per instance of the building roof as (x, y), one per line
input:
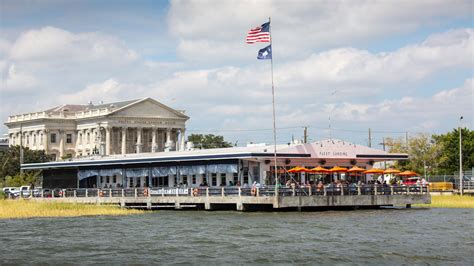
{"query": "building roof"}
(316, 150)
(85, 107)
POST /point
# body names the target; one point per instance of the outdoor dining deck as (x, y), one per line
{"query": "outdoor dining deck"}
(238, 198)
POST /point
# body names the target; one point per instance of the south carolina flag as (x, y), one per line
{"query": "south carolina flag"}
(265, 53)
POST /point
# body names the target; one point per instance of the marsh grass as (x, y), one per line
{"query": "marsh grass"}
(449, 201)
(29, 208)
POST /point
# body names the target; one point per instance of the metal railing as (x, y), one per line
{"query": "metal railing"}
(265, 191)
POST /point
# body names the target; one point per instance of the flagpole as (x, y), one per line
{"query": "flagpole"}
(277, 182)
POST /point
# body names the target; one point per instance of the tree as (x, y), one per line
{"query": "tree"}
(422, 151)
(208, 141)
(449, 157)
(10, 160)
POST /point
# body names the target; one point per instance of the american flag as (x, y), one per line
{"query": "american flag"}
(259, 34)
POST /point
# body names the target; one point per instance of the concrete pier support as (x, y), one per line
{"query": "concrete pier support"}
(207, 205)
(177, 206)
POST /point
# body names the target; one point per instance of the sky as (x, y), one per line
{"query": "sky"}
(340, 67)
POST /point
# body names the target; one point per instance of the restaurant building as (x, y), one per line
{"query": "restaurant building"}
(214, 167)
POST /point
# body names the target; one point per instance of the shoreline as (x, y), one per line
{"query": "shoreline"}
(449, 201)
(21, 209)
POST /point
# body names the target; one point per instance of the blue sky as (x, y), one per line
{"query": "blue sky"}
(393, 66)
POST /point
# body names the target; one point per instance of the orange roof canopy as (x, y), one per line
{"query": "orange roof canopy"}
(337, 169)
(374, 171)
(319, 169)
(356, 169)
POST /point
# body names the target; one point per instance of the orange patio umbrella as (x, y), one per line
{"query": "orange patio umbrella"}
(356, 169)
(298, 169)
(391, 171)
(337, 169)
(374, 171)
(407, 173)
(319, 169)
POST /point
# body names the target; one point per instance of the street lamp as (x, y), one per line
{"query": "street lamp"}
(460, 158)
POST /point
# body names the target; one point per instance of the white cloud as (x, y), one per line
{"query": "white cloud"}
(50, 43)
(298, 29)
(15, 80)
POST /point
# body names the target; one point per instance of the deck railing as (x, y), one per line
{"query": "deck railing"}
(266, 191)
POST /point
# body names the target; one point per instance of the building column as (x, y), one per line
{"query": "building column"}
(61, 143)
(124, 140)
(169, 143)
(107, 140)
(139, 140)
(45, 140)
(154, 146)
(183, 140)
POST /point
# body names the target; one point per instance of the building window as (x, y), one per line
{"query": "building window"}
(53, 138)
(214, 180)
(236, 178)
(88, 137)
(107, 179)
(131, 182)
(101, 179)
(68, 138)
(34, 139)
(185, 179)
(246, 176)
(27, 140)
(114, 180)
(194, 179)
(41, 139)
(222, 180)
(53, 157)
(139, 181)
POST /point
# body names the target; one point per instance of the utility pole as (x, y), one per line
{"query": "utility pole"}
(370, 138)
(383, 145)
(406, 139)
(460, 158)
(21, 149)
(305, 135)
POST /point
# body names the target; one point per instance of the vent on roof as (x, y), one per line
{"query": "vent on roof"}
(112, 105)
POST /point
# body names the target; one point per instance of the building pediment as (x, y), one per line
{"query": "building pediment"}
(148, 108)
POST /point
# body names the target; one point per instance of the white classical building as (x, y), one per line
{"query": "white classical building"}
(67, 131)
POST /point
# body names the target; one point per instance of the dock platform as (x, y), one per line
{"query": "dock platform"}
(243, 199)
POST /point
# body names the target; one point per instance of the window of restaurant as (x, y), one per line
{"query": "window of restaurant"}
(163, 181)
(114, 179)
(214, 179)
(223, 180)
(131, 179)
(139, 184)
(185, 179)
(246, 175)
(194, 179)
(107, 179)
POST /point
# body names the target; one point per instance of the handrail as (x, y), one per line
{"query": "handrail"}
(227, 191)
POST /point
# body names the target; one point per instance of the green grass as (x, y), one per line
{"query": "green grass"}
(30, 208)
(449, 201)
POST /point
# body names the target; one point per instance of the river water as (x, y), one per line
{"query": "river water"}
(392, 236)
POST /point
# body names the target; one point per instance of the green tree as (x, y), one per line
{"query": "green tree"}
(208, 141)
(449, 157)
(10, 160)
(422, 151)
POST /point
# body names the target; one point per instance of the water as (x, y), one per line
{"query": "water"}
(435, 236)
